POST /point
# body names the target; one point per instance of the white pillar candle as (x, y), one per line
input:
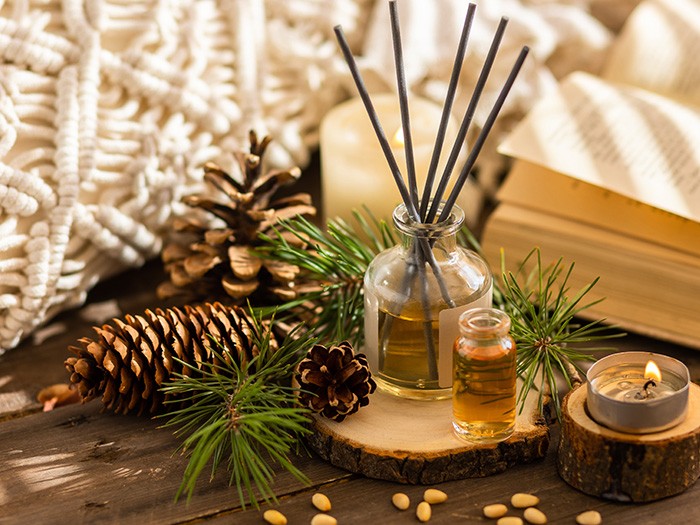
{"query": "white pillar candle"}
(354, 170)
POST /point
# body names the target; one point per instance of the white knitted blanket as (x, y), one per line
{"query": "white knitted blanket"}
(109, 108)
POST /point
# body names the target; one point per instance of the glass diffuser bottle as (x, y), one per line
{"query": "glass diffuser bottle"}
(414, 294)
(483, 388)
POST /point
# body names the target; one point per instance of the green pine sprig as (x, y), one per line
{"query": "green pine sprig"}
(245, 417)
(335, 260)
(544, 313)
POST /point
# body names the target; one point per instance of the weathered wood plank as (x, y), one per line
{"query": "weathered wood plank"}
(76, 464)
(362, 500)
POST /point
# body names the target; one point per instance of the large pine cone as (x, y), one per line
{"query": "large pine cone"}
(130, 360)
(217, 263)
(334, 382)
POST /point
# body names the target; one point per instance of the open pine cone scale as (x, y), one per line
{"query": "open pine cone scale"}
(218, 262)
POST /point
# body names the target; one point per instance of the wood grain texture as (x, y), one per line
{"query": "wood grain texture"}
(413, 442)
(359, 500)
(80, 465)
(628, 467)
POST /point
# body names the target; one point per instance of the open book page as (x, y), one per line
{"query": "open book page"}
(620, 138)
(658, 50)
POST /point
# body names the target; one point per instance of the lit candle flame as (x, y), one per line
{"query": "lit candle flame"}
(397, 140)
(652, 371)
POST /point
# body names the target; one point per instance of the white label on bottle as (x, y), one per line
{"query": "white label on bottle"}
(371, 348)
(449, 331)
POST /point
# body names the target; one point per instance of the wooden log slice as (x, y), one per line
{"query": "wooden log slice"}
(627, 467)
(410, 441)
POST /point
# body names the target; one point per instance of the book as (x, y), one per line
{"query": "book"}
(606, 174)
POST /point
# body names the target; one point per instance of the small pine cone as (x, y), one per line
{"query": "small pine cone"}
(334, 381)
(128, 362)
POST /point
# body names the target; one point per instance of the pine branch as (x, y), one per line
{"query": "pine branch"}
(543, 315)
(333, 263)
(243, 416)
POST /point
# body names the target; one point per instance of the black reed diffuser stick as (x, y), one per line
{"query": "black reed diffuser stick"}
(403, 103)
(479, 143)
(446, 110)
(389, 155)
(467, 120)
(374, 119)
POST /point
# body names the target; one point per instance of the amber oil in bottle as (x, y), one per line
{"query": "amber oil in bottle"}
(483, 387)
(414, 293)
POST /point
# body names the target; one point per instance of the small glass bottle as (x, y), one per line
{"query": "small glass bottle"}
(483, 387)
(414, 294)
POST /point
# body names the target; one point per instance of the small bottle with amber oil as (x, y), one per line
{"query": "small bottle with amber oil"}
(483, 386)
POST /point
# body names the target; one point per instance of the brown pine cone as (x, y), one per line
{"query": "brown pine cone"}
(128, 361)
(334, 381)
(208, 262)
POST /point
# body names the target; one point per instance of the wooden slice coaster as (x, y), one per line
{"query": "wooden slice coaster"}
(628, 467)
(410, 441)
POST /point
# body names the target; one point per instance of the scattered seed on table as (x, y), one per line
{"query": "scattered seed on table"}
(590, 517)
(321, 502)
(434, 496)
(495, 510)
(534, 516)
(509, 520)
(323, 519)
(401, 501)
(423, 511)
(522, 501)
(274, 517)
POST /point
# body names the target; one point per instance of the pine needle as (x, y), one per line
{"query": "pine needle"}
(544, 325)
(242, 416)
(335, 259)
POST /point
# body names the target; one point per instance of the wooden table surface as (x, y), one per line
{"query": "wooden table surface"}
(77, 464)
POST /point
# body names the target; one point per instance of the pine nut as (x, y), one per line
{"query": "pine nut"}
(590, 517)
(321, 502)
(496, 510)
(274, 517)
(401, 501)
(434, 496)
(423, 511)
(323, 519)
(522, 501)
(534, 516)
(510, 520)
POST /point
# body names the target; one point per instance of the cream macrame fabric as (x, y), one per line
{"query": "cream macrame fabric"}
(109, 108)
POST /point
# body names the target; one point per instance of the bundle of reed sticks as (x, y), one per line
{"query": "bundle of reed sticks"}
(429, 207)
(423, 208)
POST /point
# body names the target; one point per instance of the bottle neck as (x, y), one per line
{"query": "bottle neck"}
(484, 323)
(442, 234)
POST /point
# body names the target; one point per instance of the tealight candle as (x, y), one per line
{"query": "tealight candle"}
(354, 171)
(638, 392)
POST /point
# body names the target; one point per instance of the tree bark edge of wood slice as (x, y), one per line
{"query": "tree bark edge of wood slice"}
(408, 441)
(627, 467)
